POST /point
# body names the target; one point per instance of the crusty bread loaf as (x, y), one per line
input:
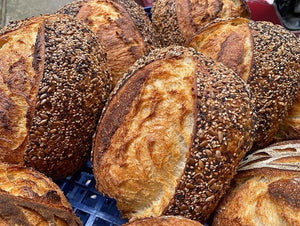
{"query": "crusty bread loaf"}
(164, 221)
(122, 26)
(266, 190)
(175, 21)
(53, 85)
(266, 56)
(172, 135)
(27, 197)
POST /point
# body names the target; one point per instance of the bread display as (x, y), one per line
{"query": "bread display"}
(53, 85)
(266, 56)
(172, 135)
(164, 221)
(266, 189)
(122, 26)
(27, 197)
(176, 21)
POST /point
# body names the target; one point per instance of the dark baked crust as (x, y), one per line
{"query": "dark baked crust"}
(221, 134)
(177, 21)
(63, 76)
(28, 197)
(123, 28)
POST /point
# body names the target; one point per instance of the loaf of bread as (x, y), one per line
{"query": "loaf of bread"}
(28, 197)
(164, 221)
(175, 21)
(266, 56)
(53, 85)
(122, 26)
(172, 135)
(266, 190)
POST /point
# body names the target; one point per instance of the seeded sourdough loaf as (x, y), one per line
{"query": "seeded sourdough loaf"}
(53, 85)
(266, 56)
(172, 135)
(164, 221)
(28, 197)
(266, 190)
(175, 21)
(122, 26)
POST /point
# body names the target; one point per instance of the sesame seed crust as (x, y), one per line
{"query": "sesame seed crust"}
(222, 137)
(72, 91)
(141, 21)
(222, 134)
(273, 78)
(177, 21)
(165, 23)
(123, 28)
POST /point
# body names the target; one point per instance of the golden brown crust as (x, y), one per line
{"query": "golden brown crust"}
(164, 221)
(122, 27)
(229, 42)
(266, 188)
(206, 115)
(53, 85)
(289, 128)
(19, 82)
(28, 197)
(177, 21)
(265, 56)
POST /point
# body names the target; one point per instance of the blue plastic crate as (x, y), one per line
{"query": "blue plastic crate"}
(89, 205)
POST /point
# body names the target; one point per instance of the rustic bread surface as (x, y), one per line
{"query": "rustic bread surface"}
(176, 21)
(266, 189)
(122, 26)
(172, 135)
(54, 83)
(164, 221)
(30, 198)
(266, 56)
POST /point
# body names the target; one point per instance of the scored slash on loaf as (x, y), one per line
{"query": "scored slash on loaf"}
(54, 83)
(172, 134)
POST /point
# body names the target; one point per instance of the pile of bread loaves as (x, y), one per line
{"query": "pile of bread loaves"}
(190, 117)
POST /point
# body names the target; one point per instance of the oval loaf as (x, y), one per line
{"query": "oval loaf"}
(172, 135)
(53, 85)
